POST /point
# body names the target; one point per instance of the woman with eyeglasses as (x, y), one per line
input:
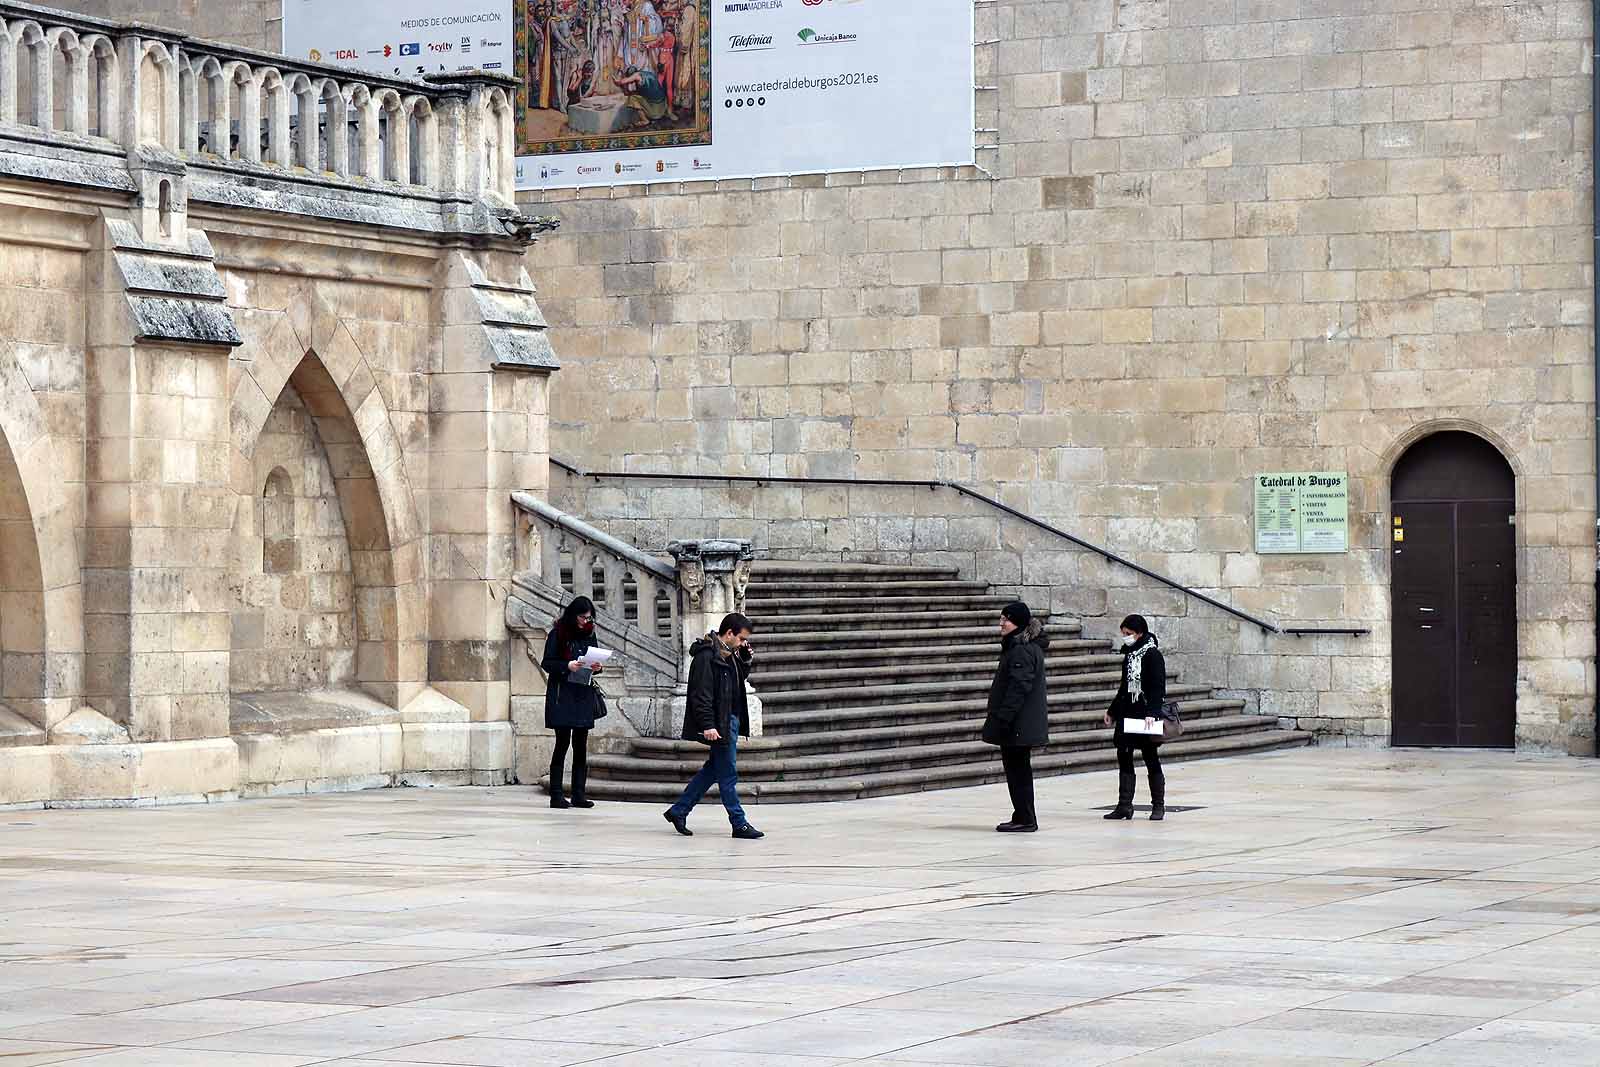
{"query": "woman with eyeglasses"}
(571, 702)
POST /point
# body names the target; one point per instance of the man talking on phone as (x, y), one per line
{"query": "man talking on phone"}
(716, 715)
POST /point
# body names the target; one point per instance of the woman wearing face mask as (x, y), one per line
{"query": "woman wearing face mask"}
(571, 703)
(1143, 690)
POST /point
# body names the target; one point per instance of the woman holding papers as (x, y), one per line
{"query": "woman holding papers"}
(571, 702)
(1139, 700)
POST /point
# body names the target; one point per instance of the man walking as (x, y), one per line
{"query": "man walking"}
(1019, 718)
(717, 713)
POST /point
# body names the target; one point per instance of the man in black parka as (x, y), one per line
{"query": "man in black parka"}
(717, 713)
(1019, 717)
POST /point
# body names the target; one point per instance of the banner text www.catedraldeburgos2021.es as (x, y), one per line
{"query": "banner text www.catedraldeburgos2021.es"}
(621, 91)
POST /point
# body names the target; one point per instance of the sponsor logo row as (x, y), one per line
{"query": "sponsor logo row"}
(549, 171)
(736, 7)
(463, 46)
(763, 42)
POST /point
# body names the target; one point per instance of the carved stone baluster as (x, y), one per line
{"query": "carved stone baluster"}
(646, 588)
(616, 592)
(44, 106)
(582, 570)
(279, 152)
(336, 131)
(398, 148)
(249, 115)
(308, 136)
(369, 158)
(189, 120)
(8, 77)
(77, 102)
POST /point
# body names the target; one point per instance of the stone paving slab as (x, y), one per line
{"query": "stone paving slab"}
(1320, 908)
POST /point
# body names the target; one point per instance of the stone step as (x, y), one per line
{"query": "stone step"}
(788, 590)
(820, 677)
(881, 694)
(879, 638)
(768, 766)
(871, 607)
(833, 717)
(854, 787)
(964, 728)
(988, 651)
(776, 570)
(17, 732)
(788, 622)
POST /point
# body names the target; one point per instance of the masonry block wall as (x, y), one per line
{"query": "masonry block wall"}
(1220, 239)
(247, 23)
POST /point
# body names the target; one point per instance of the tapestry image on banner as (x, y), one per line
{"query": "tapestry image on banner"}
(607, 75)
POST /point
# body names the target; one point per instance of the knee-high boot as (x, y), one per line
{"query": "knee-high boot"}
(1158, 791)
(1124, 808)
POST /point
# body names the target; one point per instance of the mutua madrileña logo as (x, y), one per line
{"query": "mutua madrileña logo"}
(750, 42)
(811, 36)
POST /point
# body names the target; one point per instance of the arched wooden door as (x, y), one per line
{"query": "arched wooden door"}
(1454, 581)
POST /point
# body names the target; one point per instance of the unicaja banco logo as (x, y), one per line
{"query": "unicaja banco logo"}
(811, 36)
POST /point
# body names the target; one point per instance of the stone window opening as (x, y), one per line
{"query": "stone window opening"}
(165, 210)
(278, 551)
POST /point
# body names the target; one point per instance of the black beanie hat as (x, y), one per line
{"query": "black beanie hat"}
(1018, 613)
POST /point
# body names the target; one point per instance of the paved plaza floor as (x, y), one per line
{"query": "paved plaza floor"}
(1319, 907)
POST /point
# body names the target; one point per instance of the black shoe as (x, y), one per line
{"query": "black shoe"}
(1018, 827)
(581, 802)
(1119, 813)
(678, 823)
(1158, 813)
(746, 832)
(558, 801)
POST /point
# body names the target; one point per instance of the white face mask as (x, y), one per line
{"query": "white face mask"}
(1129, 640)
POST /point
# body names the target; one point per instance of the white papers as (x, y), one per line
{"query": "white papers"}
(593, 658)
(1137, 726)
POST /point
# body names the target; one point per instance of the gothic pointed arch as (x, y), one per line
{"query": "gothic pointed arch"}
(311, 354)
(41, 612)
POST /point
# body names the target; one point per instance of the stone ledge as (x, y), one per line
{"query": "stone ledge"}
(119, 775)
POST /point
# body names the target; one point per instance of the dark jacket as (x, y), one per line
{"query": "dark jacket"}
(1018, 713)
(716, 692)
(567, 705)
(1152, 679)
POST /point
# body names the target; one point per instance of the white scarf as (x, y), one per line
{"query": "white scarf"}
(1133, 666)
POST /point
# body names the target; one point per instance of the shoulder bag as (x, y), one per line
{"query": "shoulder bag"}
(1171, 721)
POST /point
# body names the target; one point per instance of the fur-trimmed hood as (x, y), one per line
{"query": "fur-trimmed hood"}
(1033, 633)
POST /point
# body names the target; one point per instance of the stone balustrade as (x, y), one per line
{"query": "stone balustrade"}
(82, 91)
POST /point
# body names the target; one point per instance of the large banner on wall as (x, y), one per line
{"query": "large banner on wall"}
(622, 91)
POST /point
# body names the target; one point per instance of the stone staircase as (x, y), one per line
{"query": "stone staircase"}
(874, 680)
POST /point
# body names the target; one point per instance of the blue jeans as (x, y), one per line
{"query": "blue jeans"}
(722, 768)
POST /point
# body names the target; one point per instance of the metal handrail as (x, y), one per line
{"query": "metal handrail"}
(1104, 553)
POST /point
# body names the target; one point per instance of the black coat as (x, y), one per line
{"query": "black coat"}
(1152, 679)
(716, 692)
(1018, 712)
(567, 705)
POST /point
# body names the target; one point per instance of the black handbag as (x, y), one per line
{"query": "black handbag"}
(1171, 721)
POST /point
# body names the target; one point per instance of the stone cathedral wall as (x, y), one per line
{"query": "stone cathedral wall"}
(1216, 238)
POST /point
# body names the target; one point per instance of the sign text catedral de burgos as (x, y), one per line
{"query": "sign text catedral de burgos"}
(1302, 512)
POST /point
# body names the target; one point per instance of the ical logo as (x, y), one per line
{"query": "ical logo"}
(808, 34)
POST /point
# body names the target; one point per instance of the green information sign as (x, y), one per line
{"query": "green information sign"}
(1302, 511)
